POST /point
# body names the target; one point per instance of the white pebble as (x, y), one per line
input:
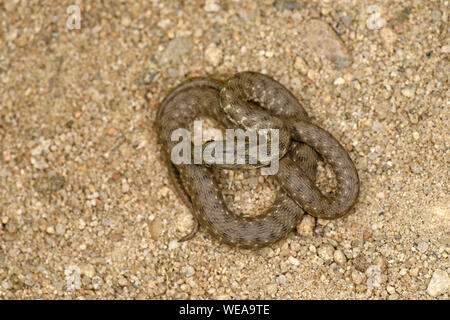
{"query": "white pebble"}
(422, 246)
(409, 91)
(213, 55)
(306, 226)
(373, 277)
(293, 261)
(190, 271)
(173, 244)
(50, 230)
(339, 257)
(81, 224)
(211, 6)
(339, 81)
(326, 252)
(445, 49)
(156, 228)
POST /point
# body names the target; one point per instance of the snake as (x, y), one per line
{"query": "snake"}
(251, 100)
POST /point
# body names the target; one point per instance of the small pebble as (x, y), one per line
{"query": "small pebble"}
(414, 272)
(88, 270)
(380, 261)
(173, 244)
(286, 4)
(212, 6)
(390, 289)
(295, 246)
(126, 21)
(81, 224)
(82, 178)
(306, 226)
(409, 91)
(60, 229)
(272, 288)
(301, 65)
(175, 49)
(293, 261)
(357, 277)
(381, 195)
(326, 252)
(190, 271)
(156, 228)
(360, 263)
(322, 39)
(12, 34)
(422, 246)
(213, 55)
(373, 277)
(10, 5)
(388, 38)
(339, 81)
(339, 257)
(50, 230)
(185, 223)
(163, 192)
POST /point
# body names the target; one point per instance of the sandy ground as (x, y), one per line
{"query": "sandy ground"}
(86, 208)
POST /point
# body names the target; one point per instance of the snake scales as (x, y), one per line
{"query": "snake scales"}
(233, 104)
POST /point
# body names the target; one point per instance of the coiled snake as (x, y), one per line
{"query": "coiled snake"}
(251, 101)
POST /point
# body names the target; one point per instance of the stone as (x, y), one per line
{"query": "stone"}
(373, 277)
(164, 191)
(339, 81)
(175, 49)
(12, 34)
(326, 252)
(293, 261)
(88, 270)
(357, 277)
(439, 283)
(213, 55)
(190, 271)
(60, 229)
(306, 226)
(422, 246)
(286, 5)
(322, 39)
(300, 65)
(339, 257)
(409, 91)
(211, 6)
(10, 5)
(173, 244)
(388, 38)
(50, 230)
(156, 228)
(390, 289)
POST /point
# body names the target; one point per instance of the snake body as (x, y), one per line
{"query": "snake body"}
(252, 101)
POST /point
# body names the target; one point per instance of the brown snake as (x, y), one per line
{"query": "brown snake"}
(233, 104)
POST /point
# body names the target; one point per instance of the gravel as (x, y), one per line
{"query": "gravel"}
(86, 207)
(306, 226)
(439, 283)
